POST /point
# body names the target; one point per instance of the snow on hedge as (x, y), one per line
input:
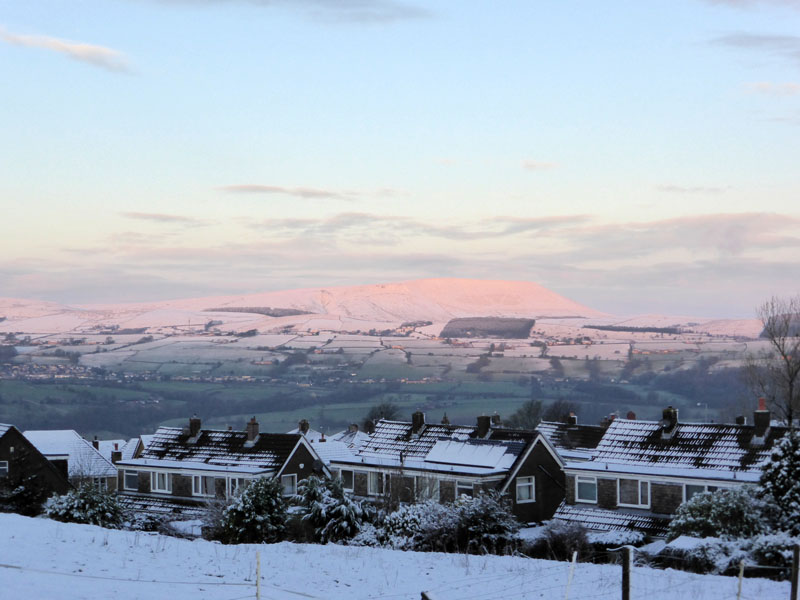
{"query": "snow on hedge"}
(67, 561)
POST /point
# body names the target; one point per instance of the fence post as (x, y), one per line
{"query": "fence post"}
(258, 575)
(627, 558)
(571, 573)
(741, 574)
(795, 571)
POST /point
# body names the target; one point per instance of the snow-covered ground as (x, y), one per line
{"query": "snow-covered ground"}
(45, 559)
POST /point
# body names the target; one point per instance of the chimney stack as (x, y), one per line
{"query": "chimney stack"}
(573, 419)
(194, 426)
(496, 421)
(445, 420)
(353, 428)
(303, 426)
(669, 421)
(761, 419)
(631, 416)
(96, 443)
(369, 427)
(252, 430)
(741, 420)
(417, 421)
(116, 456)
(484, 424)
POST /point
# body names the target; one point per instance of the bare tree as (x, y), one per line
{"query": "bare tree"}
(774, 373)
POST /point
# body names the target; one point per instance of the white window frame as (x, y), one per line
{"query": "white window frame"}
(198, 482)
(100, 483)
(463, 484)
(584, 479)
(3, 469)
(235, 486)
(352, 479)
(292, 480)
(705, 489)
(429, 490)
(376, 479)
(128, 473)
(526, 483)
(155, 488)
(640, 483)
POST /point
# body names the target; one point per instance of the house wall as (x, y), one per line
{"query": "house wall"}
(548, 482)
(144, 482)
(607, 493)
(447, 491)
(665, 498)
(182, 485)
(569, 491)
(360, 479)
(26, 461)
(303, 457)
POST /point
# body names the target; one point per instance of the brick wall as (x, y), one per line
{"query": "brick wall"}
(360, 479)
(447, 491)
(144, 482)
(665, 497)
(607, 493)
(570, 489)
(181, 485)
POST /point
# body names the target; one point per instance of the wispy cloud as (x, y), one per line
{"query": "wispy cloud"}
(537, 165)
(98, 56)
(680, 189)
(341, 11)
(162, 218)
(750, 3)
(774, 89)
(784, 46)
(299, 192)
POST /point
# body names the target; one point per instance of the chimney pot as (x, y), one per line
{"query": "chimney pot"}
(573, 419)
(484, 424)
(445, 420)
(762, 404)
(417, 421)
(631, 416)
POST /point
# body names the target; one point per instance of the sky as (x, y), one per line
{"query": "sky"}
(637, 157)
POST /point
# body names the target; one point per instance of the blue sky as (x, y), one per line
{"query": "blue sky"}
(635, 156)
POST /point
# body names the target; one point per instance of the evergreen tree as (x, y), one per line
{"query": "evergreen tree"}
(734, 513)
(780, 481)
(86, 504)
(258, 515)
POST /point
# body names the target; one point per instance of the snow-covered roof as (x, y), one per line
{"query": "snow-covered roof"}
(221, 448)
(312, 435)
(692, 449)
(600, 519)
(161, 506)
(82, 459)
(129, 449)
(333, 450)
(191, 465)
(106, 447)
(576, 442)
(393, 438)
(487, 456)
(353, 439)
(3, 428)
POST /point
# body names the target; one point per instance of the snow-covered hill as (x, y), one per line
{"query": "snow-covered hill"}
(40, 558)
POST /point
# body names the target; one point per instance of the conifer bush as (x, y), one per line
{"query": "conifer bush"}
(258, 515)
(87, 504)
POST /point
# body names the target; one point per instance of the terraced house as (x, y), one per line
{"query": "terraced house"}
(181, 469)
(643, 470)
(407, 462)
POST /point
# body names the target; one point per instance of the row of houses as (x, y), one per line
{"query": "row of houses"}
(624, 474)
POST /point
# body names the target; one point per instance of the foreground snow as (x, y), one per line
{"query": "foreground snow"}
(45, 559)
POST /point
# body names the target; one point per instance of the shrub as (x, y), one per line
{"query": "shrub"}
(780, 482)
(558, 540)
(258, 515)
(486, 524)
(733, 513)
(333, 515)
(87, 504)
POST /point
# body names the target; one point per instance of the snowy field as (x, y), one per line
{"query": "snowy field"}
(40, 558)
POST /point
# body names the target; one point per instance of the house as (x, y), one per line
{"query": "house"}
(77, 458)
(643, 470)
(407, 462)
(22, 464)
(182, 468)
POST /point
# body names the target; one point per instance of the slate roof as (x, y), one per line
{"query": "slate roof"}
(218, 450)
(712, 450)
(572, 441)
(437, 447)
(332, 450)
(83, 460)
(160, 507)
(600, 519)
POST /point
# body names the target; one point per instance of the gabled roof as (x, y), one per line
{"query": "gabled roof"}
(106, 447)
(173, 447)
(3, 428)
(572, 441)
(393, 438)
(692, 450)
(353, 439)
(332, 450)
(312, 435)
(82, 459)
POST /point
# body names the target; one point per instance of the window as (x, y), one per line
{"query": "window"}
(427, 488)
(691, 489)
(3, 468)
(161, 482)
(526, 489)
(131, 480)
(235, 486)
(632, 492)
(100, 483)
(464, 488)
(203, 485)
(347, 480)
(586, 489)
(289, 484)
(375, 484)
